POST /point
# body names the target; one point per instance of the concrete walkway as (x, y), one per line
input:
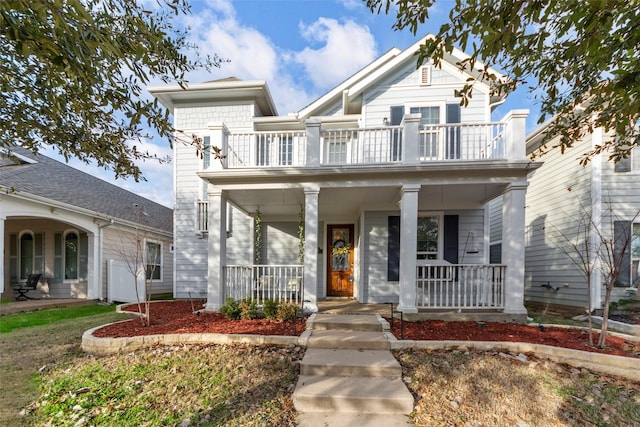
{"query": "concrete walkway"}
(349, 377)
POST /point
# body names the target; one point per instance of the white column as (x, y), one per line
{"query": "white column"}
(311, 249)
(218, 133)
(314, 144)
(94, 262)
(515, 134)
(596, 222)
(2, 278)
(217, 249)
(513, 237)
(411, 139)
(408, 248)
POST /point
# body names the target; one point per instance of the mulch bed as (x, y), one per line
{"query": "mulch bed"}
(175, 317)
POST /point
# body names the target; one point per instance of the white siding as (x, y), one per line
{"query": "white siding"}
(280, 243)
(495, 219)
(240, 242)
(557, 197)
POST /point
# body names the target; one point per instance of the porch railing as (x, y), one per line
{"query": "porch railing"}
(483, 141)
(266, 149)
(261, 282)
(460, 286)
(362, 145)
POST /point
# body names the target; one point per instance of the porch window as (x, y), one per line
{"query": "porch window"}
(635, 255)
(428, 237)
(71, 256)
(27, 255)
(154, 261)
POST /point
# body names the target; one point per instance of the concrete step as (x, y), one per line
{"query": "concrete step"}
(342, 419)
(371, 395)
(353, 363)
(346, 322)
(353, 340)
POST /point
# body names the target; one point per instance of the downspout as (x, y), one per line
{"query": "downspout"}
(100, 256)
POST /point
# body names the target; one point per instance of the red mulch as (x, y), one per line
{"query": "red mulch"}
(174, 317)
(573, 338)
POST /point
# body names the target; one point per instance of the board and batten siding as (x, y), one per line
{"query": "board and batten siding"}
(558, 196)
(191, 250)
(374, 252)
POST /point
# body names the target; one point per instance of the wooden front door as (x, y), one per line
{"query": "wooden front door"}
(340, 260)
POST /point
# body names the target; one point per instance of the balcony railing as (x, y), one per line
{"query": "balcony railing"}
(460, 286)
(266, 149)
(461, 142)
(362, 146)
(262, 282)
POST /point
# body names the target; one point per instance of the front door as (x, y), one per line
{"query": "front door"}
(340, 260)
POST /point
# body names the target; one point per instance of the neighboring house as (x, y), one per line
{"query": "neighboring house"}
(562, 195)
(73, 229)
(385, 176)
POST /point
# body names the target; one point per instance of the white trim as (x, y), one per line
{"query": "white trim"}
(596, 218)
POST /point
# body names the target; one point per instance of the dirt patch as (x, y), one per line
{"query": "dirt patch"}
(175, 317)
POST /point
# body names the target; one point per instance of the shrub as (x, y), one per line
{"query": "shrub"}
(270, 309)
(231, 309)
(248, 309)
(287, 311)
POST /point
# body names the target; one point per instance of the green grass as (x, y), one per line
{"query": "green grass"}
(43, 317)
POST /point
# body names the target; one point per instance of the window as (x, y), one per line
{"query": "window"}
(286, 150)
(635, 255)
(71, 256)
(154, 261)
(631, 163)
(428, 148)
(27, 255)
(428, 237)
(495, 253)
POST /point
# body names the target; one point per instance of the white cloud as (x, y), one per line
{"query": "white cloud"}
(346, 48)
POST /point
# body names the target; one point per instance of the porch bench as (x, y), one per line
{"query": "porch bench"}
(29, 285)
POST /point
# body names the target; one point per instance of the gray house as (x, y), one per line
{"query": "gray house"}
(80, 233)
(376, 191)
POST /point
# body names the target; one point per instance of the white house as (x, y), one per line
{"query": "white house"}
(563, 194)
(385, 177)
(79, 233)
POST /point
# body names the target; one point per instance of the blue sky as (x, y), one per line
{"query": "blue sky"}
(301, 48)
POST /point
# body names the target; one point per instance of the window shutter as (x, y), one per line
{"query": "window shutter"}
(453, 133)
(38, 264)
(13, 258)
(393, 249)
(396, 113)
(622, 235)
(451, 238)
(57, 257)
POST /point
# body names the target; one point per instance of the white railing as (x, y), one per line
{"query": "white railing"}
(261, 282)
(460, 286)
(362, 145)
(266, 149)
(202, 216)
(462, 142)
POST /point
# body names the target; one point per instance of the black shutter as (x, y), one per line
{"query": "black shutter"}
(393, 250)
(622, 233)
(451, 238)
(453, 133)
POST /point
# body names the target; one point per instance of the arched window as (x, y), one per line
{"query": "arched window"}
(27, 255)
(71, 256)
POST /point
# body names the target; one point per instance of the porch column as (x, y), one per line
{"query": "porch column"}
(513, 234)
(93, 271)
(218, 138)
(217, 249)
(408, 247)
(311, 249)
(515, 134)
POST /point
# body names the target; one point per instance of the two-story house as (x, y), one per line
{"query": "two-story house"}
(375, 191)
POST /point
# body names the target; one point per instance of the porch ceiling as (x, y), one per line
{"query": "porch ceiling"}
(347, 202)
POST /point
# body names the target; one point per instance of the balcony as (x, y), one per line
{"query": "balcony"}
(407, 144)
